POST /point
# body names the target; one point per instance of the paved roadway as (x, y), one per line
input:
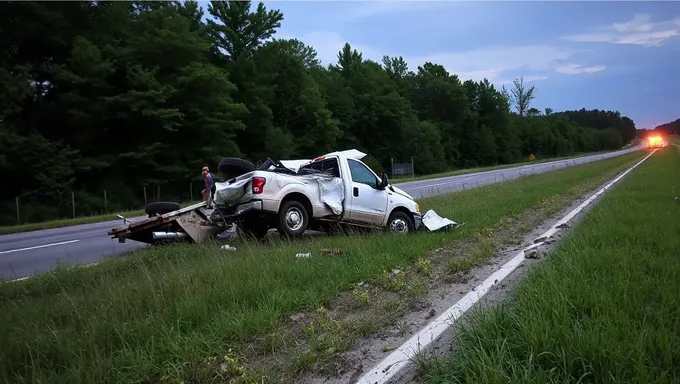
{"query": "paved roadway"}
(26, 253)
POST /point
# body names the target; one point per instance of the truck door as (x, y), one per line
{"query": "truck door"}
(368, 202)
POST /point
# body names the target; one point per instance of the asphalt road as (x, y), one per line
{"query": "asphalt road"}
(26, 253)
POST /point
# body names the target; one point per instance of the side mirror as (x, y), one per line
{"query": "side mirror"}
(384, 181)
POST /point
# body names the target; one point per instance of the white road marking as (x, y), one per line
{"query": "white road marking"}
(39, 246)
(398, 359)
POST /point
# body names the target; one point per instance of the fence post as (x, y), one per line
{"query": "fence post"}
(191, 192)
(413, 170)
(144, 195)
(106, 203)
(18, 216)
(73, 203)
(392, 165)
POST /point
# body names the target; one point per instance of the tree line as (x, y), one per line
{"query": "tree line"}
(118, 95)
(672, 128)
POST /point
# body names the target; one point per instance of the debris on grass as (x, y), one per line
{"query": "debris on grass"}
(332, 251)
(433, 222)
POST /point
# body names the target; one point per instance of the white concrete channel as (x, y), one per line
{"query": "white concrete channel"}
(402, 356)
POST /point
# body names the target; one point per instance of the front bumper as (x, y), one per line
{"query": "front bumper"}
(417, 220)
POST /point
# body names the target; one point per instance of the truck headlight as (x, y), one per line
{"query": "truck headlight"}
(417, 208)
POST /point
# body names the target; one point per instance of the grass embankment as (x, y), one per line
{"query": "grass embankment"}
(604, 308)
(9, 229)
(174, 312)
(108, 217)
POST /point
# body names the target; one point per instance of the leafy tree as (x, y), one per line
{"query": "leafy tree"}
(122, 96)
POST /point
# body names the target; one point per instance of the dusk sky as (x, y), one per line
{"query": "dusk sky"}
(621, 56)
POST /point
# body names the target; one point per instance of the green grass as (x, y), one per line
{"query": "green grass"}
(168, 312)
(9, 229)
(604, 308)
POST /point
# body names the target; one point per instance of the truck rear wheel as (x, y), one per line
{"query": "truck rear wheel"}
(293, 219)
(400, 222)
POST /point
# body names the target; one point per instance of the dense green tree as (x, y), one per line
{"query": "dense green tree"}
(122, 96)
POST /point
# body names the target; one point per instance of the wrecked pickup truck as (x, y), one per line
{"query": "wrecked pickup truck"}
(333, 191)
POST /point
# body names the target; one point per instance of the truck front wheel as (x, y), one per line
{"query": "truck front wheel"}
(400, 222)
(293, 219)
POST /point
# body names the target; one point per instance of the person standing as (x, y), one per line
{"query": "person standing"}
(208, 181)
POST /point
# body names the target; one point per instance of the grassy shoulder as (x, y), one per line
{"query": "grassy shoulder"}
(603, 308)
(172, 313)
(9, 229)
(404, 179)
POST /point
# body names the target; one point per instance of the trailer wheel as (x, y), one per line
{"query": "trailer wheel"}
(232, 167)
(161, 208)
(254, 228)
(400, 222)
(293, 219)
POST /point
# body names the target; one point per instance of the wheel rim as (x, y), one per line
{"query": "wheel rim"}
(294, 219)
(399, 225)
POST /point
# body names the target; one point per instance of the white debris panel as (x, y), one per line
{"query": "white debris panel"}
(433, 222)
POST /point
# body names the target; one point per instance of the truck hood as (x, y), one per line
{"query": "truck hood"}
(401, 192)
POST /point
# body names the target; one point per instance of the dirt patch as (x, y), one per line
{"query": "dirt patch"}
(353, 332)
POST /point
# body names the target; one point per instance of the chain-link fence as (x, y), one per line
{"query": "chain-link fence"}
(34, 208)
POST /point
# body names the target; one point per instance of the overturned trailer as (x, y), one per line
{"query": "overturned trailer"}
(190, 223)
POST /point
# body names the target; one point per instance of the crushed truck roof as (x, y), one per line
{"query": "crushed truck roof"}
(294, 165)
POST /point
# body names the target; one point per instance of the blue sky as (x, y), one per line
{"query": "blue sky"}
(609, 55)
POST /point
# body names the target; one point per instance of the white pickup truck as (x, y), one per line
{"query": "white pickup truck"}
(334, 191)
(330, 191)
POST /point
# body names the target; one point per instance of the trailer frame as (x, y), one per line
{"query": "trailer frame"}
(192, 224)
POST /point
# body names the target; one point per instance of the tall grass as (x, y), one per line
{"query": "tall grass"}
(160, 312)
(604, 308)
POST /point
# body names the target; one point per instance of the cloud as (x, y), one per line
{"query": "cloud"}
(641, 30)
(366, 9)
(499, 64)
(494, 62)
(577, 69)
(328, 44)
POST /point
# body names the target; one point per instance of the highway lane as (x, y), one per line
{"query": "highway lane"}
(26, 253)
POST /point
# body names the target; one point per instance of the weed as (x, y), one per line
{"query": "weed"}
(424, 266)
(361, 298)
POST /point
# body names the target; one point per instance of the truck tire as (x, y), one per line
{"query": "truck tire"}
(293, 219)
(161, 208)
(400, 222)
(232, 167)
